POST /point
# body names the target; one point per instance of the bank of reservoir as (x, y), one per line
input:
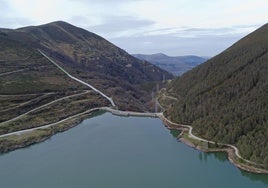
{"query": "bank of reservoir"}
(112, 151)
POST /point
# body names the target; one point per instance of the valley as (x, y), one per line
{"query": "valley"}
(133, 94)
(176, 65)
(54, 76)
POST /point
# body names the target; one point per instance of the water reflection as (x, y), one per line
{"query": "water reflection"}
(175, 133)
(256, 177)
(112, 151)
(223, 157)
(203, 157)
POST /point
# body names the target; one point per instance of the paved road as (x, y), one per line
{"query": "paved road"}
(116, 112)
(158, 103)
(130, 113)
(78, 80)
(49, 125)
(190, 128)
(167, 96)
(57, 100)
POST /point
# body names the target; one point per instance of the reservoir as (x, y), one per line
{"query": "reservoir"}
(120, 152)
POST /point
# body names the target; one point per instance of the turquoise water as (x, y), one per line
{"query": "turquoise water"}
(128, 152)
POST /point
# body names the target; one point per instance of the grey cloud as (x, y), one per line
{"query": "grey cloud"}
(3, 3)
(172, 41)
(163, 29)
(120, 24)
(218, 31)
(208, 29)
(7, 21)
(79, 20)
(171, 45)
(4, 8)
(247, 26)
(108, 1)
(111, 3)
(14, 22)
(187, 32)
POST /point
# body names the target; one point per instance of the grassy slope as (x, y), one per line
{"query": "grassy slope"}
(226, 98)
(39, 82)
(28, 81)
(97, 61)
(38, 74)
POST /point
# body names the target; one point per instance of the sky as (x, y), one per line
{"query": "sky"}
(173, 27)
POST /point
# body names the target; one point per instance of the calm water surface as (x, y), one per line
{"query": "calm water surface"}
(128, 152)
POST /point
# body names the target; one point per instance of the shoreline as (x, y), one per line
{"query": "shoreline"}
(232, 151)
(70, 122)
(28, 137)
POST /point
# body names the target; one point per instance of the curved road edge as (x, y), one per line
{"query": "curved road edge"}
(107, 109)
(49, 125)
(234, 148)
(164, 120)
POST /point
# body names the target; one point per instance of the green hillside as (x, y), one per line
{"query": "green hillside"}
(92, 59)
(35, 93)
(226, 98)
(24, 70)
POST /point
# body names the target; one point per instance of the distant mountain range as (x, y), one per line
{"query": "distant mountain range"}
(176, 65)
(226, 98)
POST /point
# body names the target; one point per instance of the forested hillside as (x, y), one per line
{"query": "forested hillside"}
(226, 98)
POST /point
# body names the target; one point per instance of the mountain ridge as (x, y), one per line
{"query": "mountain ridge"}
(177, 65)
(91, 58)
(35, 93)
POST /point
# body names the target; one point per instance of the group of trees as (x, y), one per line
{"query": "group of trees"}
(226, 99)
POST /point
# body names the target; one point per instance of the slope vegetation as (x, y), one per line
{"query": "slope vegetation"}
(226, 100)
(35, 93)
(92, 59)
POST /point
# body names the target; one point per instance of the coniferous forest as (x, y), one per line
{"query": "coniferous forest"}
(226, 98)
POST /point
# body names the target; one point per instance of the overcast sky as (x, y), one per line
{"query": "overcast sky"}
(173, 27)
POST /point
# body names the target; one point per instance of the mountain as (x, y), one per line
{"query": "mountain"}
(226, 98)
(175, 65)
(92, 59)
(35, 93)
